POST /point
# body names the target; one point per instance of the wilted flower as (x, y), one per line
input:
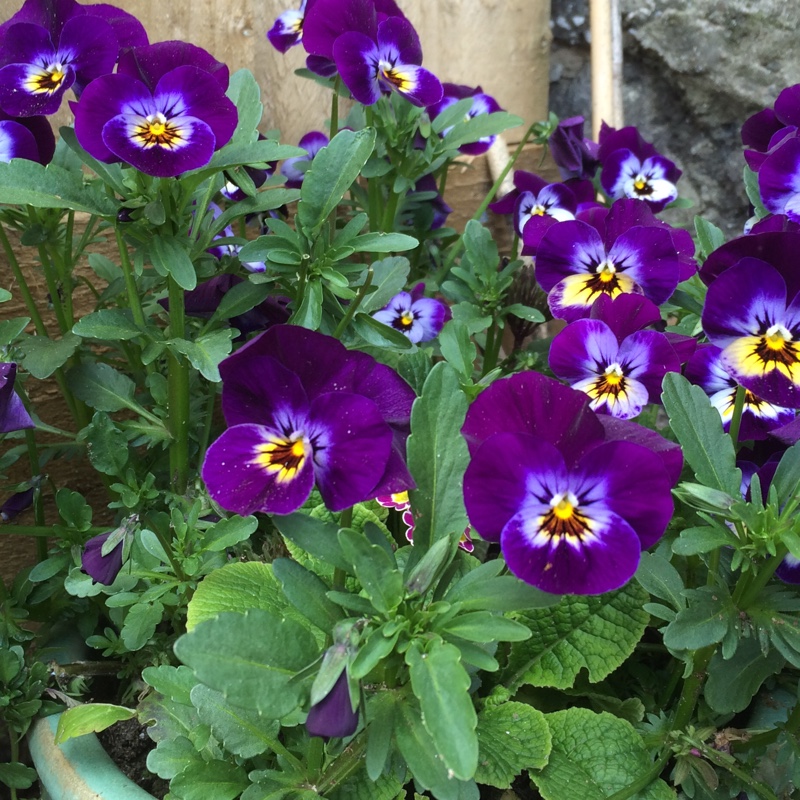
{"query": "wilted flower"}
(572, 500)
(13, 416)
(17, 503)
(575, 156)
(301, 410)
(334, 715)
(419, 318)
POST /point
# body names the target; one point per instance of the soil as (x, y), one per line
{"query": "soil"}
(128, 744)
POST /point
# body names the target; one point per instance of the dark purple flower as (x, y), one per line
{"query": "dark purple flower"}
(620, 369)
(707, 369)
(173, 128)
(571, 504)
(16, 504)
(626, 253)
(334, 717)
(779, 178)
(632, 168)
(13, 416)
(762, 131)
(102, 567)
(294, 169)
(575, 156)
(287, 30)
(534, 214)
(481, 104)
(302, 409)
(389, 62)
(419, 318)
(527, 182)
(48, 47)
(26, 137)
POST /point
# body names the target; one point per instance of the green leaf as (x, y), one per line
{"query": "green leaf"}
(5, 295)
(458, 348)
(12, 329)
(175, 683)
(252, 657)
(524, 312)
(228, 532)
(441, 684)
(316, 537)
(378, 334)
(480, 126)
(787, 476)
(110, 324)
(235, 154)
(140, 624)
(332, 173)
(17, 775)
(732, 684)
(106, 444)
(709, 237)
(172, 756)
(698, 427)
(372, 652)
(307, 593)
(245, 93)
(512, 737)
(221, 780)
(389, 276)
(90, 718)
(239, 586)
(657, 575)
(596, 633)
(382, 708)
(170, 256)
(28, 183)
(110, 174)
(375, 570)
(754, 192)
(42, 356)
(73, 509)
(703, 623)
(309, 314)
(499, 593)
(206, 353)
(241, 298)
(360, 786)
(481, 248)
(102, 387)
(599, 753)
(705, 539)
(438, 457)
(383, 243)
(483, 626)
(243, 731)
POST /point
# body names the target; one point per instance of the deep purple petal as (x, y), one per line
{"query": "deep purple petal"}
(127, 29)
(397, 37)
(327, 20)
(151, 63)
(100, 568)
(626, 313)
(333, 717)
(16, 98)
(95, 49)
(779, 180)
(16, 141)
(582, 350)
(787, 105)
(13, 416)
(287, 30)
(357, 58)
(760, 128)
(569, 248)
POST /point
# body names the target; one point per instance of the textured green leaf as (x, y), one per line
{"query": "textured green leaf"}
(175, 683)
(17, 775)
(245, 93)
(259, 152)
(221, 780)
(732, 684)
(709, 237)
(228, 532)
(597, 633)
(484, 626)
(594, 756)
(360, 787)
(389, 275)
(243, 731)
(106, 444)
(787, 476)
(378, 334)
(140, 624)
(698, 427)
(512, 737)
(441, 684)
(499, 593)
(457, 347)
(480, 126)
(170, 256)
(206, 353)
(307, 593)
(438, 457)
(375, 570)
(381, 709)
(701, 540)
(238, 586)
(89, 718)
(109, 323)
(331, 174)
(383, 243)
(240, 298)
(12, 329)
(315, 536)
(309, 314)
(172, 756)
(252, 657)
(661, 579)
(102, 387)
(42, 356)
(704, 622)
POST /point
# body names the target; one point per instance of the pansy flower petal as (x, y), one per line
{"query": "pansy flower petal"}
(13, 416)
(16, 141)
(151, 63)
(287, 30)
(357, 59)
(779, 180)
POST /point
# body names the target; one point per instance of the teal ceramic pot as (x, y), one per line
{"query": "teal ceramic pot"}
(79, 769)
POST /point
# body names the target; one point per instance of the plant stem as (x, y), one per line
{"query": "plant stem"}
(729, 763)
(333, 129)
(12, 529)
(178, 378)
(736, 419)
(353, 307)
(316, 750)
(30, 303)
(750, 586)
(343, 766)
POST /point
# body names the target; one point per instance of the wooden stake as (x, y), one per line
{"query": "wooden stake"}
(606, 63)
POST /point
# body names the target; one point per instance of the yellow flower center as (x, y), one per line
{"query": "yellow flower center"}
(283, 456)
(156, 130)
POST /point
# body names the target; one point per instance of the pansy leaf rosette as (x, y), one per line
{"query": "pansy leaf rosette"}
(624, 249)
(752, 313)
(164, 111)
(572, 500)
(302, 410)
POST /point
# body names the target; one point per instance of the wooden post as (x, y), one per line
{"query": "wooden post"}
(606, 64)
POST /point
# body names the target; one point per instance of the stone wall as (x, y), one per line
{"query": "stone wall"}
(694, 71)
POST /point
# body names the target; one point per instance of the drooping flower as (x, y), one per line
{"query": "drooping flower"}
(625, 251)
(752, 312)
(13, 416)
(619, 367)
(294, 169)
(575, 156)
(334, 715)
(302, 409)
(632, 168)
(165, 129)
(17, 503)
(101, 563)
(48, 47)
(481, 104)
(573, 502)
(706, 369)
(419, 318)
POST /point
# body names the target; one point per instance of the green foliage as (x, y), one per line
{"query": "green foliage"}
(90, 718)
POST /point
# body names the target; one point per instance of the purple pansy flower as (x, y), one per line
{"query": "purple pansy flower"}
(13, 416)
(707, 369)
(481, 104)
(164, 122)
(100, 567)
(334, 717)
(534, 214)
(571, 503)
(287, 31)
(625, 251)
(575, 156)
(779, 177)
(48, 47)
(419, 318)
(294, 169)
(765, 129)
(26, 137)
(619, 368)
(302, 409)
(632, 168)
(17, 503)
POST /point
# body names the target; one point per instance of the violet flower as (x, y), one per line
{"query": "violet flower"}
(334, 717)
(100, 567)
(481, 104)
(48, 47)
(575, 156)
(632, 168)
(287, 30)
(302, 409)
(620, 369)
(573, 502)
(13, 416)
(764, 130)
(16, 504)
(26, 137)
(626, 251)
(419, 318)
(294, 169)
(779, 177)
(165, 129)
